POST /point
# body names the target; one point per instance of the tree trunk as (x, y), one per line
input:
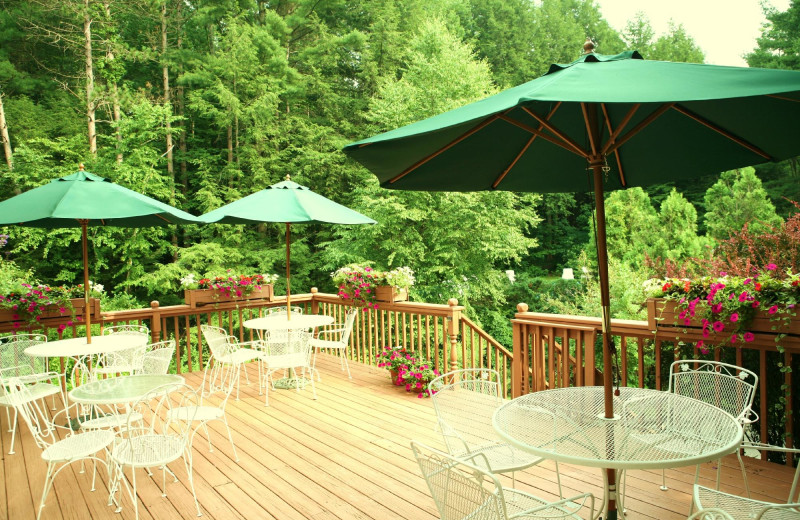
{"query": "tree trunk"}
(116, 110)
(168, 123)
(4, 136)
(184, 176)
(90, 104)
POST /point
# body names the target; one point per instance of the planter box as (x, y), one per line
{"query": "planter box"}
(200, 297)
(51, 315)
(389, 293)
(663, 314)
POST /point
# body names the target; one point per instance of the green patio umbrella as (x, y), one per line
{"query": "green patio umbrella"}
(598, 123)
(84, 199)
(287, 202)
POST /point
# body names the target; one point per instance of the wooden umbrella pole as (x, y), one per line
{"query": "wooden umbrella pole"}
(86, 309)
(288, 276)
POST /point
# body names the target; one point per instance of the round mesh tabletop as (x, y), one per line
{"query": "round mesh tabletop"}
(122, 389)
(297, 321)
(651, 429)
(78, 347)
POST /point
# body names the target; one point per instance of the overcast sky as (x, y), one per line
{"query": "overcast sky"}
(724, 29)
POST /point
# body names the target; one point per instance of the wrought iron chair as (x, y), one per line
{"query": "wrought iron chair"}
(123, 361)
(465, 401)
(343, 331)
(463, 489)
(157, 357)
(282, 310)
(156, 440)
(12, 354)
(39, 386)
(94, 417)
(58, 453)
(218, 382)
(227, 349)
(725, 386)
(287, 350)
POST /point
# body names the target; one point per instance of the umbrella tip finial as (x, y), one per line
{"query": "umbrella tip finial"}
(80, 166)
(288, 177)
(588, 46)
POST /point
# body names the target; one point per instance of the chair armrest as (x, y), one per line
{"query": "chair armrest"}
(332, 331)
(771, 508)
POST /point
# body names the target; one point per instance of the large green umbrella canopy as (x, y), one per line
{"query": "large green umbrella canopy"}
(84, 199)
(606, 122)
(287, 202)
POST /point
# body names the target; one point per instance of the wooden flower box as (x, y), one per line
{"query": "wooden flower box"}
(51, 315)
(389, 293)
(663, 314)
(200, 297)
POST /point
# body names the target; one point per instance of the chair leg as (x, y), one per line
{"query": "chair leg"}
(230, 438)
(48, 482)
(744, 473)
(13, 431)
(345, 364)
(313, 388)
(187, 463)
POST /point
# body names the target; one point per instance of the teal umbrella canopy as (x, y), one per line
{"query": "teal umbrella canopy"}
(83, 196)
(649, 121)
(84, 199)
(290, 203)
(285, 201)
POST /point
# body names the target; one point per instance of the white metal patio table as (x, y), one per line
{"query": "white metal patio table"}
(78, 348)
(123, 389)
(282, 322)
(650, 430)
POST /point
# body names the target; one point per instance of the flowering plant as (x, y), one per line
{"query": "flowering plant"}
(726, 305)
(396, 359)
(28, 302)
(412, 372)
(357, 282)
(229, 285)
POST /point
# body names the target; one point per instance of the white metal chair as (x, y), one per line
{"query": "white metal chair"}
(218, 382)
(156, 440)
(39, 386)
(343, 331)
(227, 349)
(157, 357)
(58, 453)
(725, 386)
(282, 310)
(465, 401)
(287, 350)
(12, 354)
(741, 508)
(463, 489)
(123, 361)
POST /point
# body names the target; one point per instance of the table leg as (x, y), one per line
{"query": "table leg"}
(616, 494)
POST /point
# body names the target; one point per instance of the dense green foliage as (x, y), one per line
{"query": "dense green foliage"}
(201, 102)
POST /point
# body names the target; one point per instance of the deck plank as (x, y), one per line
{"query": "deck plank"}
(343, 456)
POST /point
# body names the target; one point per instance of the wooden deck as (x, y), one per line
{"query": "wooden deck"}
(344, 456)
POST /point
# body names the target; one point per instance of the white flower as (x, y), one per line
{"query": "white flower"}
(685, 367)
(97, 287)
(188, 280)
(743, 375)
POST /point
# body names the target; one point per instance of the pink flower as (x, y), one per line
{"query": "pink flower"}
(771, 267)
(718, 326)
(734, 337)
(755, 304)
(749, 336)
(743, 296)
(735, 316)
(716, 308)
(61, 327)
(16, 324)
(773, 309)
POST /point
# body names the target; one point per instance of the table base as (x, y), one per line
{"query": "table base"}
(287, 383)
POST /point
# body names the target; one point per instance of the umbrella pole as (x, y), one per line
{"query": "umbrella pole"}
(86, 309)
(288, 276)
(596, 164)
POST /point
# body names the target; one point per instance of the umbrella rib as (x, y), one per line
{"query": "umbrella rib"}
(548, 125)
(590, 119)
(613, 135)
(638, 128)
(446, 147)
(782, 98)
(564, 143)
(722, 131)
(502, 176)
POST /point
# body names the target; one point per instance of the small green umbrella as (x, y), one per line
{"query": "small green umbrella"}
(287, 202)
(600, 122)
(84, 199)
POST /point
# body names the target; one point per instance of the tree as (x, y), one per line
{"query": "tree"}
(631, 224)
(779, 44)
(677, 238)
(735, 200)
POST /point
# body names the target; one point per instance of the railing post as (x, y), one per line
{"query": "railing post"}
(155, 322)
(454, 320)
(314, 302)
(518, 344)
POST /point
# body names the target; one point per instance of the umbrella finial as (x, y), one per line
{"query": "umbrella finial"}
(588, 46)
(288, 177)
(80, 166)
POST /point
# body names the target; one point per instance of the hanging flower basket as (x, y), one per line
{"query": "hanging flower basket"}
(51, 314)
(390, 293)
(200, 297)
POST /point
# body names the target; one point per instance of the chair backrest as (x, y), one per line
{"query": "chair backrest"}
(12, 351)
(157, 357)
(465, 401)
(150, 415)
(217, 340)
(288, 348)
(282, 310)
(459, 489)
(728, 387)
(348, 325)
(219, 380)
(33, 411)
(128, 329)
(711, 514)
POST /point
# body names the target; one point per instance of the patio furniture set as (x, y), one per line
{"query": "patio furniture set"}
(124, 410)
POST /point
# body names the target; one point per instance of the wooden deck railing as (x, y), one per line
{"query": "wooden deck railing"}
(552, 351)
